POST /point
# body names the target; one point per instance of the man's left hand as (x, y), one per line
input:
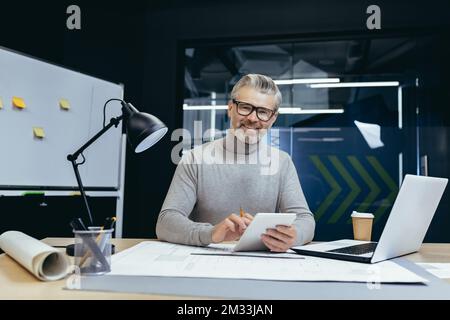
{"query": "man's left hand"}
(280, 239)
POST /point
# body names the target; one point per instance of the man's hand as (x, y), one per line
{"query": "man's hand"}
(279, 239)
(231, 228)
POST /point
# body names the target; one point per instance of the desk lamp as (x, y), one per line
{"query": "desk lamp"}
(143, 131)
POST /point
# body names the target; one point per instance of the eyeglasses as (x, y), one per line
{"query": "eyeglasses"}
(245, 109)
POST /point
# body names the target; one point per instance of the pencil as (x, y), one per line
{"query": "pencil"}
(87, 254)
(109, 224)
(241, 212)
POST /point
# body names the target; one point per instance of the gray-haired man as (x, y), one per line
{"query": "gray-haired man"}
(203, 194)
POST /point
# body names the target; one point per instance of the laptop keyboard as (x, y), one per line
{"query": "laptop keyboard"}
(358, 249)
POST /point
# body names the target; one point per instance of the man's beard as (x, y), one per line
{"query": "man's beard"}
(247, 135)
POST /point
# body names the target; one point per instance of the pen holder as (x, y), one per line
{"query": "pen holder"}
(93, 250)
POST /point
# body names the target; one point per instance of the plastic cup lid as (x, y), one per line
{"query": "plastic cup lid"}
(362, 215)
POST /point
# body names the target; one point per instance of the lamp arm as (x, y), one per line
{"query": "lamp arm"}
(74, 156)
(113, 122)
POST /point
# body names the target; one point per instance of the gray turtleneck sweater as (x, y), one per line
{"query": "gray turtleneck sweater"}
(217, 178)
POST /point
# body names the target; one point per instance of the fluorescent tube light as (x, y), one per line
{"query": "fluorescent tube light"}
(308, 111)
(307, 81)
(281, 110)
(208, 107)
(356, 84)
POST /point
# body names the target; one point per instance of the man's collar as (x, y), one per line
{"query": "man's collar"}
(234, 145)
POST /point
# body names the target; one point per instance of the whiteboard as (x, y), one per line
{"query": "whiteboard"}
(30, 162)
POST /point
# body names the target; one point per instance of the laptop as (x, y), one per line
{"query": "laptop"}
(404, 231)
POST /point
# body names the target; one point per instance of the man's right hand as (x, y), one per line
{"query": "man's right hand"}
(231, 228)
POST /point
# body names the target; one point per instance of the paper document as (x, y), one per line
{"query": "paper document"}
(371, 133)
(440, 270)
(223, 249)
(153, 258)
(45, 262)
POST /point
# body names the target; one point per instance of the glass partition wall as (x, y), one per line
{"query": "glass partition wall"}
(349, 117)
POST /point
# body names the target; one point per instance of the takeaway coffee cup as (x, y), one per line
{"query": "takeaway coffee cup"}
(362, 225)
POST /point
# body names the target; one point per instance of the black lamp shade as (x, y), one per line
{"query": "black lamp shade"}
(143, 129)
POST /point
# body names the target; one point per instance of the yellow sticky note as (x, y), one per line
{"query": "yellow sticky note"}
(39, 132)
(64, 104)
(18, 103)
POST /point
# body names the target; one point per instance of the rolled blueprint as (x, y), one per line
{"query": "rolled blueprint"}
(42, 260)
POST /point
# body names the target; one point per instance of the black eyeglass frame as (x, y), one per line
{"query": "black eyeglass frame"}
(237, 102)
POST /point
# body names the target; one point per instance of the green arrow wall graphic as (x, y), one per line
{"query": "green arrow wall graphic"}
(355, 190)
(374, 189)
(335, 188)
(389, 182)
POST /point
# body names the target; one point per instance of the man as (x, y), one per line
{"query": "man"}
(204, 193)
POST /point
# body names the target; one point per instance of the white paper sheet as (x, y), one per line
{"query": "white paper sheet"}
(43, 261)
(223, 249)
(371, 133)
(153, 258)
(440, 270)
(331, 245)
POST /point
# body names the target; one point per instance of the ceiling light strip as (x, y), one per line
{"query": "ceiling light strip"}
(308, 111)
(281, 110)
(210, 107)
(307, 81)
(356, 84)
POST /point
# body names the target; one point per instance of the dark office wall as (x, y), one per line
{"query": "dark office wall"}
(110, 45)
(168, 24)
(137, 43)
(33, 28)
(434, 129)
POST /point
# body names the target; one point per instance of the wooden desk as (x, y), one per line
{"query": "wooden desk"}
(17, 283)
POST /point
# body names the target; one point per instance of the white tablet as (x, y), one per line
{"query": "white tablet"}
(251, 239)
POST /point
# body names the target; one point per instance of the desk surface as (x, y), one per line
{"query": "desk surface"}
(18, 283)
